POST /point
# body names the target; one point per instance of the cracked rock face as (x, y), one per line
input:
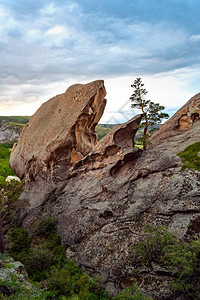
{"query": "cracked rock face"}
(112, 191)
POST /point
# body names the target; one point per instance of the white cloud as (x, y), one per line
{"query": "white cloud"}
(195, 38)
(169, 89)
(57, 30)
(166, 89)
(49, 10)
(63, 43)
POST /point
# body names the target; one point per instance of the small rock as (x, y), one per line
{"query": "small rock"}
(4, 274)
(143, 270)
(10, 178)
(159, 269)
(18, 266)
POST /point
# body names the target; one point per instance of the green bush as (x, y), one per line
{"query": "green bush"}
(152, 248)
(18, 240)
(180, 258)
(131, 293)
(190, 157)
(183, 260)
(45, 226)
(70, 281)
(39, 262)
(46, 260)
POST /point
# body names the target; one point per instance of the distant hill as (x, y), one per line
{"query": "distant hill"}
(15, 119)
(16, 123)
(10, 129)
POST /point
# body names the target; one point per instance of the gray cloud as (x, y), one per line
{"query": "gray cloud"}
(44, 42)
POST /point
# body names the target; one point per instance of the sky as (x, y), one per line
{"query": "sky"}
(46, 46)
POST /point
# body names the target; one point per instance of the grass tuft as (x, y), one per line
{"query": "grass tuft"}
(190, 157)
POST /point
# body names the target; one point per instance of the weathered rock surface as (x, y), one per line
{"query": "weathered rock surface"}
(61, 132)
(183, 120)
(114, 191)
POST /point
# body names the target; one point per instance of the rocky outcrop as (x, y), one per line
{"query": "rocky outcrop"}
(61, 132)
(9, 270)
(9, 133)
(183, 120)
(14, 281)
(113, 191)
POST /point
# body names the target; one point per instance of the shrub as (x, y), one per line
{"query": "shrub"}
(152, 248)
(131, 293)
(18, 240)
(183, 259)
(70, 281)
(45, 226)
(38, 262)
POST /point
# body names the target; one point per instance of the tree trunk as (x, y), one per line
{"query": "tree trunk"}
(145, 133)
(145, 138)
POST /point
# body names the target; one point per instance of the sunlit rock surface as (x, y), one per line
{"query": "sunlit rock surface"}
(109, 191)
(182, 129)
(61, 132)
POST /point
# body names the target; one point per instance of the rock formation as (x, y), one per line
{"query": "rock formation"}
(9, 133)
(61, 132)
(184, 120)
(111, 190)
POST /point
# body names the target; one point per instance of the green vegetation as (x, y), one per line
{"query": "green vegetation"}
(190, 157)
(180, 258)
(15, 284)
(15, 119)
(44, 258)
(7, 145)
(5, 170)
(15, 124)
(131, 294)
(101, 132)
(153, 247)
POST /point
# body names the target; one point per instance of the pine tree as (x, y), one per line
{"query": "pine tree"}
(152, 111)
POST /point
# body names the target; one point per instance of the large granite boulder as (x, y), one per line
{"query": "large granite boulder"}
(112, 191)
(61, 132)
